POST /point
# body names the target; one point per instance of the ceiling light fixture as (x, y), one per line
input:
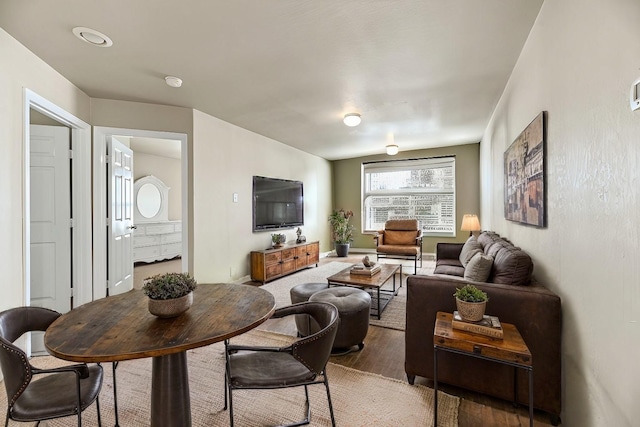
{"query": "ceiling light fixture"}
(173, 81)
(93, 37)
(392, 149)
(352, 119)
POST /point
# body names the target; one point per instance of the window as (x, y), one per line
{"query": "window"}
(402, 189)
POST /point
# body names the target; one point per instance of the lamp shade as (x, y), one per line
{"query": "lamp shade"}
(470, 223)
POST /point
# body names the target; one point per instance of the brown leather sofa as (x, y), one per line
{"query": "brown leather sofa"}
(534, 309)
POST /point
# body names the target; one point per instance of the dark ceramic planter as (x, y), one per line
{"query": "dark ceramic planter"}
(342, 249)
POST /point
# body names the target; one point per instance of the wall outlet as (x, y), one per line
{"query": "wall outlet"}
(235, 197)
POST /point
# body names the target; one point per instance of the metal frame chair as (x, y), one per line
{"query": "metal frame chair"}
(65, 391)
(406, 243)
(299, 364)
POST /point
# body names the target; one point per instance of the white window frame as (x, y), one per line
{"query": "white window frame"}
(446, 226)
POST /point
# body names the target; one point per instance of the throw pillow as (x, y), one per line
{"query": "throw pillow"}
(478, 268)
(470, 248)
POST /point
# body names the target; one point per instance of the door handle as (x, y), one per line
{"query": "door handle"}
(133, 227)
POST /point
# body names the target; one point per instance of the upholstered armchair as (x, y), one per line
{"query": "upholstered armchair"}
(400, 239)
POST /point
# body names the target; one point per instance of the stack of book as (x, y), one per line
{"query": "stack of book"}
(489, 325)
(365, 271)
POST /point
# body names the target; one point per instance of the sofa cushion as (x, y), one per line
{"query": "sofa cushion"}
(470, 248)
(511, 266)
(478, 268)
(449, 270)
(395, 237)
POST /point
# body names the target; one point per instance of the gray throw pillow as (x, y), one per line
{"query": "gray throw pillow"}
(478, 268)
(470, 248)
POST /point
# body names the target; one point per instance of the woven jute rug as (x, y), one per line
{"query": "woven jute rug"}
(359, 398)
(393, 316)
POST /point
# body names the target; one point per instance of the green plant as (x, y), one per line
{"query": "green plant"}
(168, 285)
(470, 293)
(278, 238)
(342, 231)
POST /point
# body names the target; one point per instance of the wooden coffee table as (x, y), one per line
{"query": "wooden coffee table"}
(376, 282)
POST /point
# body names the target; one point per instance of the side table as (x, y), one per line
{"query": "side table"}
(511, 350)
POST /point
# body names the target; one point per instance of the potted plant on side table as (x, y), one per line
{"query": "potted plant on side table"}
(342, 231)
(471, 303)
(170, 294)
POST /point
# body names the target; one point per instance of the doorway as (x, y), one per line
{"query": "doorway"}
(143, 143)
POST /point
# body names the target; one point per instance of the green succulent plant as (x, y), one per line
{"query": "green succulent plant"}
(168, 285)
(470, 293)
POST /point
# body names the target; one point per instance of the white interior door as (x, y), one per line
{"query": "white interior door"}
(50, 201)
(120, 240)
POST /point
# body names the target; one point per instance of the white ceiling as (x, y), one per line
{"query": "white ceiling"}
(428, 72)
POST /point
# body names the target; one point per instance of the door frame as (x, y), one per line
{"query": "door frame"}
(100, 207)
(81, 271)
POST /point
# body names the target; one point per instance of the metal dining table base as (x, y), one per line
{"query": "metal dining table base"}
(170, 400)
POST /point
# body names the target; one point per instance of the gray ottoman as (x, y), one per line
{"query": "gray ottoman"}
(354, 306)
(302, 293)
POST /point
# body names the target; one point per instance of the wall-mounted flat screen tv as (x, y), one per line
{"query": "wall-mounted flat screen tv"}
(277, 203)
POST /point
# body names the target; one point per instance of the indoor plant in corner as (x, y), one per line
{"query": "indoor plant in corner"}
(471, 303)
(342, 231)
(170, 294)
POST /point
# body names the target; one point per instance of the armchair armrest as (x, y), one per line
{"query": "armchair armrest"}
(448, 250)
(81, 369)
(419, 238)
(379, 237)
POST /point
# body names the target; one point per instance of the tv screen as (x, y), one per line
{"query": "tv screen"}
(277, 203)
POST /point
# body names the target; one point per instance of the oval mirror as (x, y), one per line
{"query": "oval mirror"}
(148, 200)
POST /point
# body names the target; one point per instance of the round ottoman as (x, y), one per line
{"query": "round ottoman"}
(302, 293)
(354, 306)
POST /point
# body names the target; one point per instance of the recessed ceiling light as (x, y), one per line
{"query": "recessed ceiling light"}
(352, 119)
(173, 81)
(93, 37)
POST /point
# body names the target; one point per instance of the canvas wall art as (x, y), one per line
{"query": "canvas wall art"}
(524, 176)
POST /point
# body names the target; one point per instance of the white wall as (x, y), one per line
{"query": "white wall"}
(225, 158)
(22, 69)
(578, 64)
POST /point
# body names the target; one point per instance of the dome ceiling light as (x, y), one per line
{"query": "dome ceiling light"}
(392, 149)
(173, 81)
(93, 37)
(352, 119)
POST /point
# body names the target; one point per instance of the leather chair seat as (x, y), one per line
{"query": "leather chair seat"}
(265, 369)
(59, 391)
(399, 250)
(354, 306)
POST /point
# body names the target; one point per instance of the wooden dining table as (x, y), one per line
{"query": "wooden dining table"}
(120, 328)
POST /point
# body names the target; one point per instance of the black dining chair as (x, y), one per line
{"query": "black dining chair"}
(302, 363)
(62, 392)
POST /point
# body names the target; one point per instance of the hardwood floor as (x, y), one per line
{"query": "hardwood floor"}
(383, 354)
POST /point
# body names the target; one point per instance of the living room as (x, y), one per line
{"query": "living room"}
(577, 65)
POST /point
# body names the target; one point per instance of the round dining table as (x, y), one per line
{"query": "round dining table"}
(120, 327)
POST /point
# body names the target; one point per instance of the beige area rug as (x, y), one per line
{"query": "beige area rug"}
(393, 316)
(359, 398)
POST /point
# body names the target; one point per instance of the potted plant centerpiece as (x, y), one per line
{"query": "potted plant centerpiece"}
(170, 294)
(278, 240)
(471, 302)
(342, 231)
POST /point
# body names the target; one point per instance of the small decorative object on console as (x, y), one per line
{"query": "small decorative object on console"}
(471, 302)
(301, 238)
(278, 240)
(170, 294)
